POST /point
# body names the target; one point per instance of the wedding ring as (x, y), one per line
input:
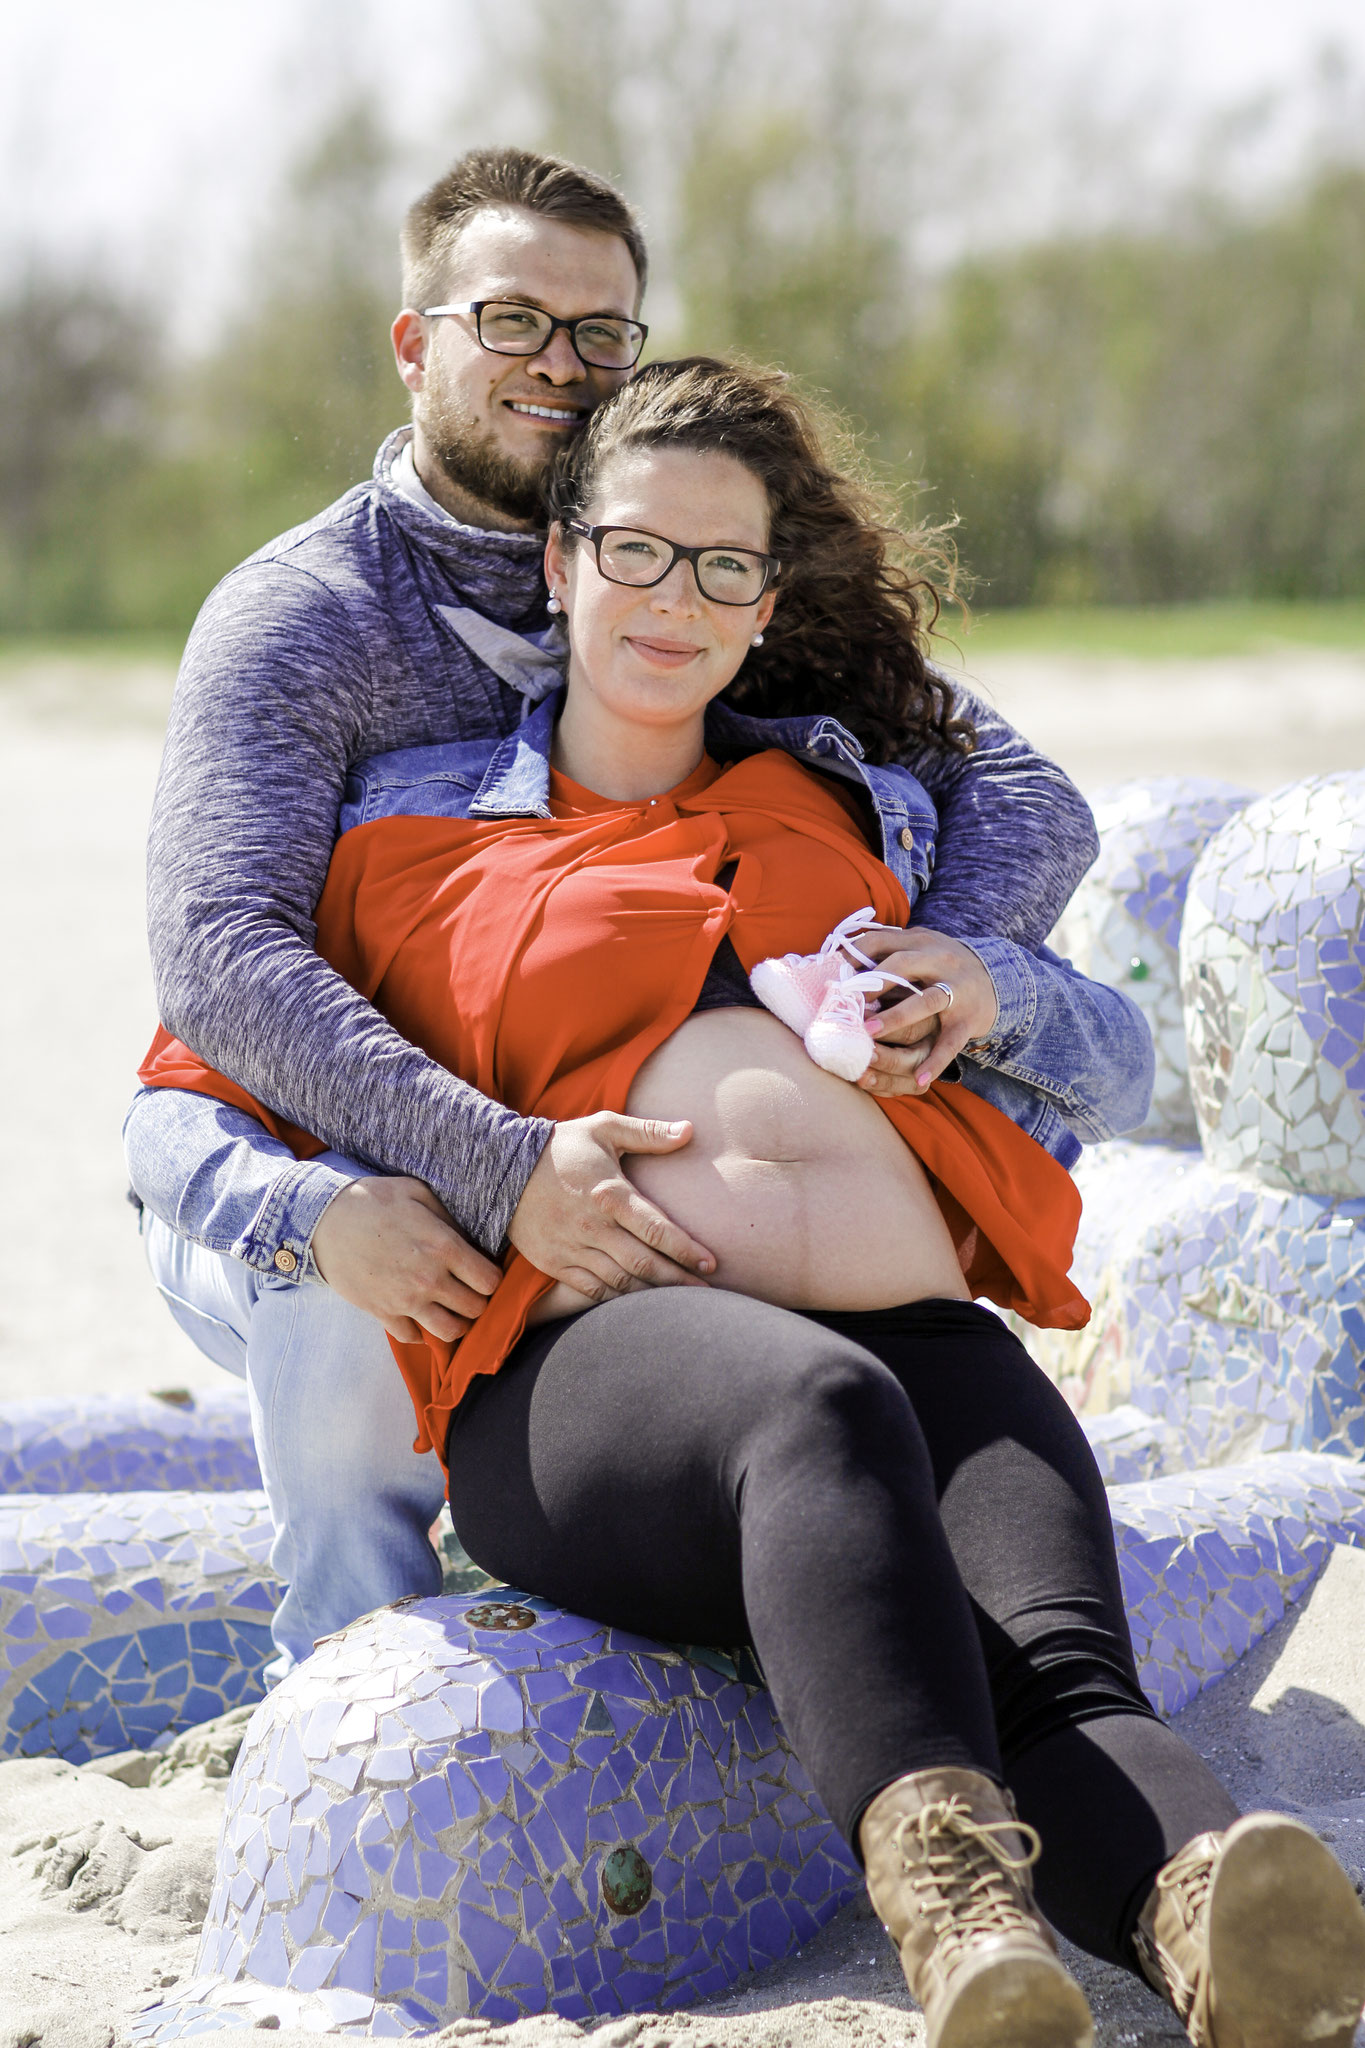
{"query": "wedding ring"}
(947, 992)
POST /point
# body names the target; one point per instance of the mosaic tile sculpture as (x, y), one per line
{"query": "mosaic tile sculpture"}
(1131, 1447)
(1210, 1560)
(127, 1617)
(1229, 1283)
(129, 1443)
(489, 1806)
(1272, 964)
(1122, 926)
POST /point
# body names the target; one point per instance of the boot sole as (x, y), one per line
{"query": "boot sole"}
(1022, 2001)
(1286, 1940)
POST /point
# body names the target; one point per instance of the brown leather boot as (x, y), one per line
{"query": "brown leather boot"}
(1257, 1938)
(947, 1872)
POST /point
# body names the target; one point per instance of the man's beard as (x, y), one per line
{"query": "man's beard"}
(471, 458)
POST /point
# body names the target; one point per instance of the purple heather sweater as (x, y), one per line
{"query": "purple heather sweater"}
(329, 645)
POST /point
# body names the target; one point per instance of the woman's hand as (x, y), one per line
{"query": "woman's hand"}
(387, 1245)
(920, 1035)
(581, 1221)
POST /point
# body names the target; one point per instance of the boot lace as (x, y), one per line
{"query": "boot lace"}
(1190, 1887)
(962, 1873)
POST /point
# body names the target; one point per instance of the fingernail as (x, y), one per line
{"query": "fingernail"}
(706, 1265)
(872, 1026)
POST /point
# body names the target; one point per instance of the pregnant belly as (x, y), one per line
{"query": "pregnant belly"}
(794, 1179)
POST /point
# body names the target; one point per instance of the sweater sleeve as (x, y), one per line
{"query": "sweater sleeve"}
(271, 705)
(1015, 835)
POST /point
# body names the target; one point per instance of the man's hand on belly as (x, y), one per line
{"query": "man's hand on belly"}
(388, 1246)
(581, 1221)
(921, 1035)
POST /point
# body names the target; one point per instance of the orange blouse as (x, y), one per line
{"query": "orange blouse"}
(544, 959)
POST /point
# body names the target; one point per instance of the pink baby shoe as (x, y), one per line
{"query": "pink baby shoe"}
(838, 1038)
(823, 998)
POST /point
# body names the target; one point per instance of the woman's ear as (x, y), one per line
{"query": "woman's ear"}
(556, 563)
(763, 610)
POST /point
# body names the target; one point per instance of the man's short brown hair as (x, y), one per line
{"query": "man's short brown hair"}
(507, 177)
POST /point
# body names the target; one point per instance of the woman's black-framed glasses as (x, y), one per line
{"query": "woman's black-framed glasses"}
(604, 341)
(627, 555)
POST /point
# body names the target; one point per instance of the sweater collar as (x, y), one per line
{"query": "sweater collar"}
(501, 574)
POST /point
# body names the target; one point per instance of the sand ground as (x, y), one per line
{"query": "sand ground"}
(102, 1883)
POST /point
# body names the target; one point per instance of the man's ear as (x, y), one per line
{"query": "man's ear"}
(409, 336)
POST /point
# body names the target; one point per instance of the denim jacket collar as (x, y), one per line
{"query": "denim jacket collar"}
(516, 782)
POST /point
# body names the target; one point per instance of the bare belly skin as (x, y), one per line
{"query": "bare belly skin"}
(794, 1179)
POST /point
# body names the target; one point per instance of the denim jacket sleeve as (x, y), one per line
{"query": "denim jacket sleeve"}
(1015, 835)
(1080, 1044)
(215, 1174)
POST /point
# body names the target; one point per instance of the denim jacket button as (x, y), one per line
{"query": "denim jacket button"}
(285, 1260)
(907, 839)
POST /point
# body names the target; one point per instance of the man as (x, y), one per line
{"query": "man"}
(399, 617)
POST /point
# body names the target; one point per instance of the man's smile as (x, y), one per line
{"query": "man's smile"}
(559, 415)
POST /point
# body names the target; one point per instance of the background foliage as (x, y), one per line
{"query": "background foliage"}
(1168, 408)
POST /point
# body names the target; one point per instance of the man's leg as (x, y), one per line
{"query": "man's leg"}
(351, 1501)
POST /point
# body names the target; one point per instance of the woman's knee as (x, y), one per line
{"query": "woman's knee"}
(833, 1399)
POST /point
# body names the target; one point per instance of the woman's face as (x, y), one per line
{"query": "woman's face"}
(658, 656)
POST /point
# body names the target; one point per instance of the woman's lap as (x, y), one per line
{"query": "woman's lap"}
(606, 1466)
(707, 1468)
(610, 1454)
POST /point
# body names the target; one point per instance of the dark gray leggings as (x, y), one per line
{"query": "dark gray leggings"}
(898, 1510)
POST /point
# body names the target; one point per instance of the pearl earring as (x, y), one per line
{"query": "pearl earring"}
(757, 640)
(552, 604)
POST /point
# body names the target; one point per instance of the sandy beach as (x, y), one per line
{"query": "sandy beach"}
(103, 1876)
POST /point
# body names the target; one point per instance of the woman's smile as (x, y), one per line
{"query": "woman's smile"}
(668, 654)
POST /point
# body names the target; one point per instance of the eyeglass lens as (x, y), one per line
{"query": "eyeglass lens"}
(513, 330)
(725, 575)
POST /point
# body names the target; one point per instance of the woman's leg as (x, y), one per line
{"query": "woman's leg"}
(707, 1468)
(1112, 1791)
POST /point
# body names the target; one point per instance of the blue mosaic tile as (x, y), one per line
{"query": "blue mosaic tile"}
(129, 1443)
(1122, 926)
(511, 1893)
(96, 1651)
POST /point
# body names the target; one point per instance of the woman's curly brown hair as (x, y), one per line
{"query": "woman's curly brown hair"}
(856, 600)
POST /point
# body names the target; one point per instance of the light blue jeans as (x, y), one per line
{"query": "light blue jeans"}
(351, 1501)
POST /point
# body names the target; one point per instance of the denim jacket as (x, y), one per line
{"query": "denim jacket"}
(1069, 1060)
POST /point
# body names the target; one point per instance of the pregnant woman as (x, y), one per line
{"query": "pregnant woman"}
(830, 1450)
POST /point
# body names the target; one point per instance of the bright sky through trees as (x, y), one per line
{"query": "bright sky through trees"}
(149, 135)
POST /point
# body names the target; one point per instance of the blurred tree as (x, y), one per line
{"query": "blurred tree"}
(1165, 416)
(1174, 411)
(78, 370)
(784, 154)
(287, 407)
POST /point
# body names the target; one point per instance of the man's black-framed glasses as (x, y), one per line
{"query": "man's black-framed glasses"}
(627, 555)
(604, 341)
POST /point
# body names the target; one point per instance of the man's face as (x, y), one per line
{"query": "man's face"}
(495, 423)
